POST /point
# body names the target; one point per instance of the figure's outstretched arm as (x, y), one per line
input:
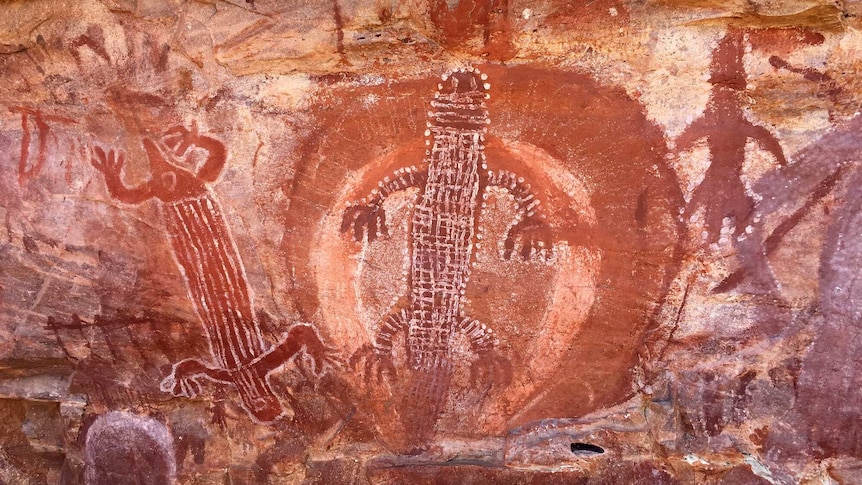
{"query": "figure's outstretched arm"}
(111, 166)
(769, 143)
(530, 228)
(367, 215)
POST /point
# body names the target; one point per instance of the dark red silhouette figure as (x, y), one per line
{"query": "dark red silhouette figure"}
(215, 277)
(722, 193)
(25, 170)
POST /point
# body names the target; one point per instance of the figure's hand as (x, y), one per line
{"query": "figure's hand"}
(322, 356)
(778, 62)
(110, 163)
(183, 380)
(491, 367)
(179, 139)
(219, 414)
(364, 218)
(376, 363)
(533, 234)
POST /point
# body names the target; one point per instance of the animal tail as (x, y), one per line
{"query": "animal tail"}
(423, 403)
(257, 396)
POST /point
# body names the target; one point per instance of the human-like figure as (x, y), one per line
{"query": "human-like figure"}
(722, 193)
(213, 271)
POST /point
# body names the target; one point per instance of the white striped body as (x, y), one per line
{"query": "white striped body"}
(216, 280)
(444, 220)
(442, 235)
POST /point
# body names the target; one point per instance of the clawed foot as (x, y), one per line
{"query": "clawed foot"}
(370, 219)
(184, 379)
(321, 358)
(493, 368)
(533, 234)
(376, 363)
(316, 357)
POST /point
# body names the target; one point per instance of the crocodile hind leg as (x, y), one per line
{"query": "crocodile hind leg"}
(490, 364)
(379, 354)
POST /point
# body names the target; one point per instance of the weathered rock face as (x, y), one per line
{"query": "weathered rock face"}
(430, 242)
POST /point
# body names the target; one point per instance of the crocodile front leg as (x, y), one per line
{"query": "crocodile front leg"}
(530, 228)
(368, 216)
(184, 379)
(256, 395)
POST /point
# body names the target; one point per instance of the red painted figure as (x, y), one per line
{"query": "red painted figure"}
(213, 271)
(722, 193)
(442, 239)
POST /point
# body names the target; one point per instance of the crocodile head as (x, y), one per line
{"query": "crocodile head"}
(464, 82)
(460, 100)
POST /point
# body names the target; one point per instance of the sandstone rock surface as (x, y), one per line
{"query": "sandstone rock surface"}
(430, 241)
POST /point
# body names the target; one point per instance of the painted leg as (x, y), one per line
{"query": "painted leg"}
(379, 355)
(490, 365)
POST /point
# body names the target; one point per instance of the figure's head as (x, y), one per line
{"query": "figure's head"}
(162, 158)
(727, 69)
(460, 100)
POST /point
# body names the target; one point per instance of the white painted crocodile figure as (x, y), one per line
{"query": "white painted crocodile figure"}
(443, 235)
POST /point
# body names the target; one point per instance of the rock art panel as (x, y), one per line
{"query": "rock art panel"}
(429, 241)
(472, 250)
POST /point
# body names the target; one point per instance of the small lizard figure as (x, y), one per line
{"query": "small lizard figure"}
(442, 238)
(213, 272)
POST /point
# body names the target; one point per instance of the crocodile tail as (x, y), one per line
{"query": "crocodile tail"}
(424, 401)
(256, 395)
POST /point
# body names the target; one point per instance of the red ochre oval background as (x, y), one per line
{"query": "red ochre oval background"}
(596, 133)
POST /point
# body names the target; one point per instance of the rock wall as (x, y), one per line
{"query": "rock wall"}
(430, 241)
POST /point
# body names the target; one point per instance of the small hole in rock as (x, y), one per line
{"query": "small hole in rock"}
(581, 447)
